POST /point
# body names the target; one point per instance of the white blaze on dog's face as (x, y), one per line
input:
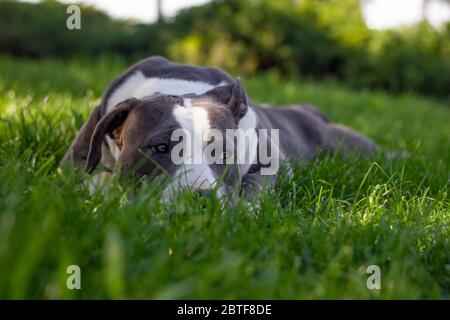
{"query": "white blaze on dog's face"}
(194, 170)
(175, 135)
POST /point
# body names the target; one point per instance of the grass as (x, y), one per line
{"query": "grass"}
(314, 238)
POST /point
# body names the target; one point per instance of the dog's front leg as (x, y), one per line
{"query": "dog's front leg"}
(253, 183)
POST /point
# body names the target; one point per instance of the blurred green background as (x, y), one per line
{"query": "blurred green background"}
(325, 39)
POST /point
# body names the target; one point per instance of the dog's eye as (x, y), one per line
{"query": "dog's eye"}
(160, 148)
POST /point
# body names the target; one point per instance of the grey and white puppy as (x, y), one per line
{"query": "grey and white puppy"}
(131, 129)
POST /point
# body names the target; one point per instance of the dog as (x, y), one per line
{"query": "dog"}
(132, 131)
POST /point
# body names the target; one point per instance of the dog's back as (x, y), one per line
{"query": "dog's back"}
(306, 130)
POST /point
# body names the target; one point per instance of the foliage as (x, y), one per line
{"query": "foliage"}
(39, 30)
(415, 59)
(315, 234)
(313, 39)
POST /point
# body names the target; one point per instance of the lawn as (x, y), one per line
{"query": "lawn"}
(314, 237)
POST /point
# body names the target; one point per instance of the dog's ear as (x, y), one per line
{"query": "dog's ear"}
(78, 150)
(234, 96)
(111, 124)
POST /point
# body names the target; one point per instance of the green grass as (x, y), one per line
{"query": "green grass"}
(315, 235)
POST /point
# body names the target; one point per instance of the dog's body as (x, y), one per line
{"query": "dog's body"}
(168, 95)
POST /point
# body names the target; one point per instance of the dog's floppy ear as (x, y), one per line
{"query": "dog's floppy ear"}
(234, 96)
(78, 150)
(107, 125)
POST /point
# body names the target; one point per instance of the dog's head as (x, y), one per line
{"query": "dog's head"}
(187, 137)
